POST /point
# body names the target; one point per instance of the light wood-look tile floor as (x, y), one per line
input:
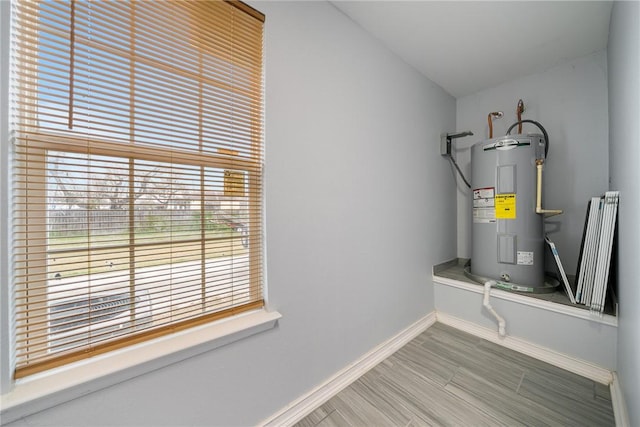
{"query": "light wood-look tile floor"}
(448, 377)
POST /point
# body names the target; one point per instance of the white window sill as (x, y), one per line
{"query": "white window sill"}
(51, 388)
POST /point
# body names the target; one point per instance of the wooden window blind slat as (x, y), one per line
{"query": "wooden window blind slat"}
(137, 173)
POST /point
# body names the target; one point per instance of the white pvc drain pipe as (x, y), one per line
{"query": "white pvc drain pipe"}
(485, 302)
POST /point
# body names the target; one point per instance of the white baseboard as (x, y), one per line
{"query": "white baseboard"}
(306, 404)
(617, 401)
(571, 364)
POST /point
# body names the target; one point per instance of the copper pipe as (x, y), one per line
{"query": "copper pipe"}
(493, 115)
(519, 111)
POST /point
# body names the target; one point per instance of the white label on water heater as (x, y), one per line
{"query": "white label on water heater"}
(484, 215)
(484, 203)
(525, 258)
(484, 211)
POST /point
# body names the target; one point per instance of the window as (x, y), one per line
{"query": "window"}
(137, 172)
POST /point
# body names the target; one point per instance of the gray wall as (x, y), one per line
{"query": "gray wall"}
(570, 101)
(359, 207)
(624, 149)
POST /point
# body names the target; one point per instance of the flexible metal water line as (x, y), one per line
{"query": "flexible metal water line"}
(485, 302)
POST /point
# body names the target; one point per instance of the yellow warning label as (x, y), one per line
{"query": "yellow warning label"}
(505, 206)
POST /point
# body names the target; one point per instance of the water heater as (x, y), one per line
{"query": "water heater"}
(507, 233)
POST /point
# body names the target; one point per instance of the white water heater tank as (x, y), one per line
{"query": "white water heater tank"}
(507, 233)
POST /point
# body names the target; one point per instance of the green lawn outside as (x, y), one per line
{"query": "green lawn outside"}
(108, 254)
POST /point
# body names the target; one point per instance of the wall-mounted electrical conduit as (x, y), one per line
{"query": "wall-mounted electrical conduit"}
(446, 140)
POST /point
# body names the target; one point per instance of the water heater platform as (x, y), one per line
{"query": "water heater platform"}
(550, 284)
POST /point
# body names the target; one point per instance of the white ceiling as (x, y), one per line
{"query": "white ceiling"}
(467, 46)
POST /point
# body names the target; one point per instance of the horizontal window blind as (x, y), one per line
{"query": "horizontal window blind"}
(137, 172)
